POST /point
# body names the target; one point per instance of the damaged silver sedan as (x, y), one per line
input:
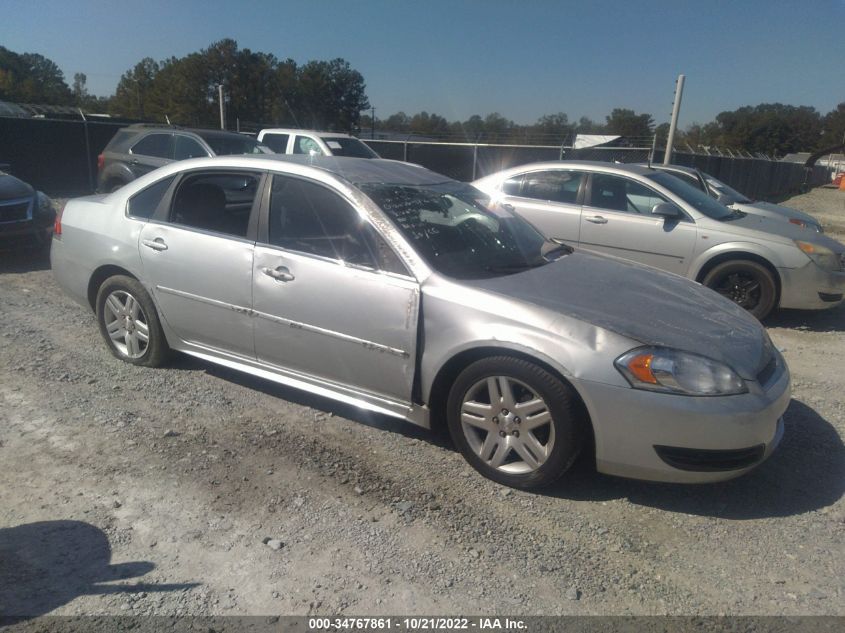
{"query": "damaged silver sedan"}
(392, 288)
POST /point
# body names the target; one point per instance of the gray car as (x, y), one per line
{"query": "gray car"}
(138, 149)
(646, 215)
(735, 200)
(390, 287)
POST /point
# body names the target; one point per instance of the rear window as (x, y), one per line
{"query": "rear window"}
(144, 203)
(343, 146)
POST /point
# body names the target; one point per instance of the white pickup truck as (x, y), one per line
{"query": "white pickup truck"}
(294, 141)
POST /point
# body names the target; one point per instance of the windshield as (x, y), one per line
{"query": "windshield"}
(721, 188)
(692, 196)
(343, 146)
(455, 229)
(228, 145)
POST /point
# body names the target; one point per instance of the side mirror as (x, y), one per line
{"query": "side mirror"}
(666, 210)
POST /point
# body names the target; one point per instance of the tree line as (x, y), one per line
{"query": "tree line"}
(261, 89)
(553, 129)
(258, 88)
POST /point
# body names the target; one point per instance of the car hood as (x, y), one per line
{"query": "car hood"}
(786, 212)
(786, 231)
(12, 188)
(644, 304)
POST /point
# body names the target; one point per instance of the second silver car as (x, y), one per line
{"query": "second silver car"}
(645, 215)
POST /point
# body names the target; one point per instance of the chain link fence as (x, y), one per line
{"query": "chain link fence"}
(60, 158)
(756, 177)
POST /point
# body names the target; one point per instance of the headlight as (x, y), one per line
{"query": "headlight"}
(673, 371)
(821, 255)
(45, 205)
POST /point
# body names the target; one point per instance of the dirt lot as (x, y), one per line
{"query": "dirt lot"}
(140, 491)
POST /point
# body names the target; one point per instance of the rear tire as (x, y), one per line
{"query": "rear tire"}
(515, 422)
(748, 284)
(129, 322)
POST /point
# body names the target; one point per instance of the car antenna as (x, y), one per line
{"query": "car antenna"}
(167, 118)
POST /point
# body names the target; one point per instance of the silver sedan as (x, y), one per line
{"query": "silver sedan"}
(390, 287)
(648, 216)
(732, 198)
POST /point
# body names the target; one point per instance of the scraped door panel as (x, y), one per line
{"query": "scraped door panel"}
(339, 323)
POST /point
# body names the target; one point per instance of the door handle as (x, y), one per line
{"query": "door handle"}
(507, 207)
(596, 219)
(157, 244)
(279, 274)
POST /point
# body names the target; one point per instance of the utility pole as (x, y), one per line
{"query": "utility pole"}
(676, 108)
(373, 123)
(220, 98)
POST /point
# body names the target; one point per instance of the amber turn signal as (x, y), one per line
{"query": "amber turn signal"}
(640, 367)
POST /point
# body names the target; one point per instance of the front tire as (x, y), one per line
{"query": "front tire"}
(748, 284)
(129, 322)
(514, 422)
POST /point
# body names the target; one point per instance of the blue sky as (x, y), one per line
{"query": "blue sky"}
(522, 59)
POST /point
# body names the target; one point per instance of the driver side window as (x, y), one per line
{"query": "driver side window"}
(616, 193)
(310, 218)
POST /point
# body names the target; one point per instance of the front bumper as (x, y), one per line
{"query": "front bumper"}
(631, 426)
(27, 232)
(811, 287)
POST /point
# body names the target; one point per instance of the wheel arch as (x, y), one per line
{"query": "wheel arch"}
(97, 278)
(728, 256)
(448, 372)
(116, 172)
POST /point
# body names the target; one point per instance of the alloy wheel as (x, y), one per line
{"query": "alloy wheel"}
(740, 287)
(126, 324)
(507, 424)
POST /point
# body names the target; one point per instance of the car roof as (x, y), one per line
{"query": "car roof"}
(284, 130)
(366, 170)
(587, 165)
(358, 171)
(215, 133)
(686, 170)
(139, 128)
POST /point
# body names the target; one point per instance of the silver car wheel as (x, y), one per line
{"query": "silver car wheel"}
(126, 324)
(507, 424)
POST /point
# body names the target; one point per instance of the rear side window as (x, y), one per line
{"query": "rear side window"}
(216, 201)
(513, 186)
(156, 145)
(144, 203)
(120, 139)
(554, 186)
(277, 142)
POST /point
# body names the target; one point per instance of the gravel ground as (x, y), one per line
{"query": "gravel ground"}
(196, 490)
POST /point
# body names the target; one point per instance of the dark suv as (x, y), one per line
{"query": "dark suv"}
(140, 148)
